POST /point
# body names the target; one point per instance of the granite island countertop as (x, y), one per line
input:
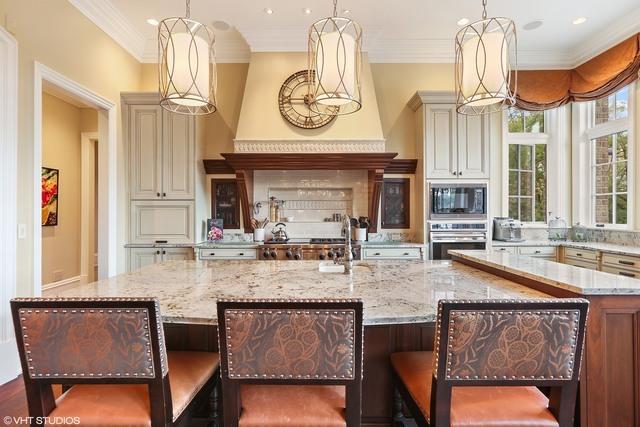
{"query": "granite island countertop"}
(578, 280)
(595, 246)
(393, 292)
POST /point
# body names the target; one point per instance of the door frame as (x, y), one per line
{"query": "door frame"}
(107, 172)
(87, 140)
(10, 366)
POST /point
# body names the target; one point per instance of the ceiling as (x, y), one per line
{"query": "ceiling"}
(401, 31)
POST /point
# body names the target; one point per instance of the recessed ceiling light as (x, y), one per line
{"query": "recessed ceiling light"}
(306, 11)
(346, 11)
(152, 21)
(579, 20)
(532, 25)
(463, 21)
(268, 11)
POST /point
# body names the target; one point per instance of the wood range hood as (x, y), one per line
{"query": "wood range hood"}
(243, 165)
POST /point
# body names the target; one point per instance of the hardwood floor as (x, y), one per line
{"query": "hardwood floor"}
(13, 400)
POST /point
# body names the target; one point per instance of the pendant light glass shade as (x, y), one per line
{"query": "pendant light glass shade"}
(485, 52)
(335, 58)
(187, 68)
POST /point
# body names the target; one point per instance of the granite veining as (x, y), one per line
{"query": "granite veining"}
(574, 279)
(596, 246)
(392, 291)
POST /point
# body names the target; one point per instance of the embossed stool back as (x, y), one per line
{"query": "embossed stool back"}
(85, 341)
(297, 342)
(505, 345)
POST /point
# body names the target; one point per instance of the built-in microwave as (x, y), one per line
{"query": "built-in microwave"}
(457, 201)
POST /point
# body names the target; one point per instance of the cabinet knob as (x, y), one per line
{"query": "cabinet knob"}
(164, 194)
(158, 194)
(157, 252)
(164, 252)
(460, 173)
(454, 172)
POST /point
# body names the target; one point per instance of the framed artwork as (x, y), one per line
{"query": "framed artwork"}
(50, 178)
(395, 203)
(215, 229)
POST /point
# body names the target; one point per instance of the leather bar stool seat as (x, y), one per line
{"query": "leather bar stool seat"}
(484, 406)
(287, 405)
(111, 405)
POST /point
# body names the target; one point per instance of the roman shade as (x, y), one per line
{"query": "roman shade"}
(599, 77)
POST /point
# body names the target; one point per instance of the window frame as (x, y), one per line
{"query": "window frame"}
(584, 132)
(551, 138)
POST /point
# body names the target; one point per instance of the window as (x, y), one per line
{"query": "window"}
(527, 165)
(606, 141)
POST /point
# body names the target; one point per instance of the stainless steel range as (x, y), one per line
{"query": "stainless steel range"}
(305, 249)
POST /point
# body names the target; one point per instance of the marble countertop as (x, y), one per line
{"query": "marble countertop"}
(606, 247)
(393, 292)
(230, 245)
(159, 245)
(575, 279)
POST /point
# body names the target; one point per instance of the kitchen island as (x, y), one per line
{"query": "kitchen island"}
(400, 303)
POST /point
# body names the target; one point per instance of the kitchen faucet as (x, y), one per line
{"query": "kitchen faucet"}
(347, 256)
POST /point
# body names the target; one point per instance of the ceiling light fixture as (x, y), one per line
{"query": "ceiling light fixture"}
(346, 11)
(306, 11)
(579, 20)
(485, 51)
(335, 61)
(186, 66)
(153, 22)
(463, 21)
(268, 11)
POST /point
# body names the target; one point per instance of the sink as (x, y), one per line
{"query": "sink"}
(330, 267)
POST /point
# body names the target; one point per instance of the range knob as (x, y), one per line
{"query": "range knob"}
(330, 254)
(340, 254)
(297, 256)
(289, 254)
(265, 254)
(322, 256)
(273, 254)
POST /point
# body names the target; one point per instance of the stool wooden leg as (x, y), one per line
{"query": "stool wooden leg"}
(398, 416)
(214, 403)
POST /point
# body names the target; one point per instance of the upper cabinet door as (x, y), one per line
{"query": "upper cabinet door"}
(440, 141)
(145, 136)
(178, 175)
(473, 147)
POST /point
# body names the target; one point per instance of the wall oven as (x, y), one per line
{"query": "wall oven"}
(457, 201)
(444, 236)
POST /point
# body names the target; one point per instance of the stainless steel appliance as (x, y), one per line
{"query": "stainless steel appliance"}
(306, 249)
(457, 201)
(279, 233)
(507, 229)
(444, 236)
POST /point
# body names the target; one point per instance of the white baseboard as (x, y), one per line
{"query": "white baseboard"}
(70, 281)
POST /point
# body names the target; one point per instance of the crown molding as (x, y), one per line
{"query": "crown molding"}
(109, 19)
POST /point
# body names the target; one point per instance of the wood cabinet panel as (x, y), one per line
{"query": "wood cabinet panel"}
(145, 140)
(178, 157)
(142, 257)
(473, 147)
(170, 222)
(440, 141)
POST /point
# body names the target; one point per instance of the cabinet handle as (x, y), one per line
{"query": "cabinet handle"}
(460, 173)
(454, 172)
(158, 194)
(157, 252)
(537, 252)
(164, 194)
(241, 254)
(623, 262)
(377, 254)
(622, 273)
(164, 252)
(578, 254)
(406, 254)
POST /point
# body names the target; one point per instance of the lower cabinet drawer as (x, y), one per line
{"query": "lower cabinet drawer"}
(587, 254)
(621, 272)
(538, 251)
(591, 265)
(392, 253)
(227, 254)
(625, 262)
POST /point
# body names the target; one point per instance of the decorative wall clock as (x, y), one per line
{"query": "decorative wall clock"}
(294, 99)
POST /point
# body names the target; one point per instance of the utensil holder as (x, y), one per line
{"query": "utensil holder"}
(258, 235)
(361, 234)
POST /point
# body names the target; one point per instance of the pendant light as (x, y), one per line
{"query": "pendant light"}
(186, 65)
(485, 51)
(335, 62)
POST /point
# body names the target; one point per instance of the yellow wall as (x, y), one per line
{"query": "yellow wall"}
(62, 124)
(56, 34)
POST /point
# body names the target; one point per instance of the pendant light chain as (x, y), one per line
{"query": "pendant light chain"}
(484, 9)
(335, 8)
(188, 9)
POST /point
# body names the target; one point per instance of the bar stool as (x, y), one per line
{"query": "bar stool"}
(290, 362)
(111, 352)
(489, 357)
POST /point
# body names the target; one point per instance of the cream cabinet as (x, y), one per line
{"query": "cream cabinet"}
(455, 146)
(228, 254)
(391, 253)
(142, 257)
(162, 222)
(162, 154)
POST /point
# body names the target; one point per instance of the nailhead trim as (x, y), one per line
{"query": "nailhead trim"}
(287, 312)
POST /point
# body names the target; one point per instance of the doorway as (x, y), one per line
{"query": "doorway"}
(46, 78)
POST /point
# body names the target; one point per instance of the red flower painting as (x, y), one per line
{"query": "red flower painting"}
(50, 196)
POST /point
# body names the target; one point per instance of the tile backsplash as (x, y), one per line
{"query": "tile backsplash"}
(618, 237)
(311, 196)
